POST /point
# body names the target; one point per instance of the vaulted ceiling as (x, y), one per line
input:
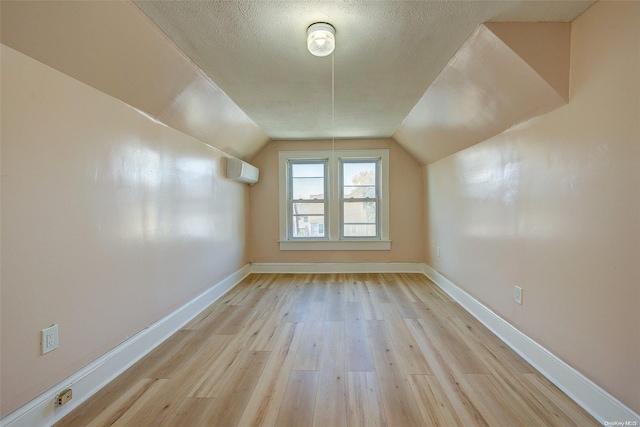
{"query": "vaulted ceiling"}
(237, 73)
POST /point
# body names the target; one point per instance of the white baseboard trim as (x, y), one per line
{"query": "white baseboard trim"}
(90, 379)
(599, 403)
(338, 267)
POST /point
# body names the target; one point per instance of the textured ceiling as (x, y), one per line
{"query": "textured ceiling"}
(388, 53)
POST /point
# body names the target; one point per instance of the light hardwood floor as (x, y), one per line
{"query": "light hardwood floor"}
(331, 350)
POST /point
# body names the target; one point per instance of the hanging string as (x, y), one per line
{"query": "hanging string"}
(333, 113)
(333, 103)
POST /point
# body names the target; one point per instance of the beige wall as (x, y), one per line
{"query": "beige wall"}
(406, 210)
(553, 205)
(110, 221)
(137, 64)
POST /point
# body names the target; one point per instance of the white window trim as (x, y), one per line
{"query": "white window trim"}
(325, 202)
(377, 198)
(332, 226)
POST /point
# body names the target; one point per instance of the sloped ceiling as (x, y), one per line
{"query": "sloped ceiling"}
(491, 84)
(236, 73)
(387, 55)
(114, 47)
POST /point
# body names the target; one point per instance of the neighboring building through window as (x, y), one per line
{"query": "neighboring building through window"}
(307, 186)
(359, 197)
(334, 200)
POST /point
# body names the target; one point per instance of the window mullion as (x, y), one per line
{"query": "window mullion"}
(290, 223)
(378, 198)
(334, 199)
(341, 201)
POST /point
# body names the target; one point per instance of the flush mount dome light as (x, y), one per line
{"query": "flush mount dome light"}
(321, 39)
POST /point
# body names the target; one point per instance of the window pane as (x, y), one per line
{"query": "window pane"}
(359, 212)
(308, 226)
(359, 173)
(359, 180)
(307, 170)
(307, 188)
(359, 219)
(308, 208)
(359, 230)
(360, 192)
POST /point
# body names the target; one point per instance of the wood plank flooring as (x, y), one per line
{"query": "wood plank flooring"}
(331, 350)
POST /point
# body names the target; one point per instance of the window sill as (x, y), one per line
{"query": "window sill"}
(335, 245)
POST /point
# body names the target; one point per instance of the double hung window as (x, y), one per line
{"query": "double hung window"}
(307, 198)
(359, 198)
(334, 200)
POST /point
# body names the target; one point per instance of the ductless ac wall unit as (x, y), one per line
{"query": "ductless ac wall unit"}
(242, 171)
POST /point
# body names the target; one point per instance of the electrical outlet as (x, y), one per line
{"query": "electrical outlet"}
(64, 397)
(49, 339)
(517, 294)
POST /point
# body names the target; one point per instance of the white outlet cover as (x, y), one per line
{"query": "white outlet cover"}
(49, 339)
(517, 294)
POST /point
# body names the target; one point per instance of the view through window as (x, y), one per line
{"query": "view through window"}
(334, 200)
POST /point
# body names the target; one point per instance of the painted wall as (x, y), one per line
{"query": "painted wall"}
(553, 205)
(137, 64)
(110, 221)
(406, 208)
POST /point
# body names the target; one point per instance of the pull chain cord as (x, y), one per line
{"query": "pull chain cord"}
(333, 103)
(333, 113)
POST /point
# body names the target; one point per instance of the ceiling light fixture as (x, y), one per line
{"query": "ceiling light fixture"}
(321, 39)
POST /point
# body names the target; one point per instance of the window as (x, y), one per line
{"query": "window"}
(359, 198)
(334, 200)
(307, 205)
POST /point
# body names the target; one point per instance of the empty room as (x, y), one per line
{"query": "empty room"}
(320, 213)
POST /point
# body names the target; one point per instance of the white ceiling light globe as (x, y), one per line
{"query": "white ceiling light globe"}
(321, 39)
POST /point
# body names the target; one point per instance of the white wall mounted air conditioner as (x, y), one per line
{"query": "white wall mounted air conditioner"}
(242, 171)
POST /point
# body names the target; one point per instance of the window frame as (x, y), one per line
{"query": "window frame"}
(333, 224)
(291, 201)
(376, 198)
